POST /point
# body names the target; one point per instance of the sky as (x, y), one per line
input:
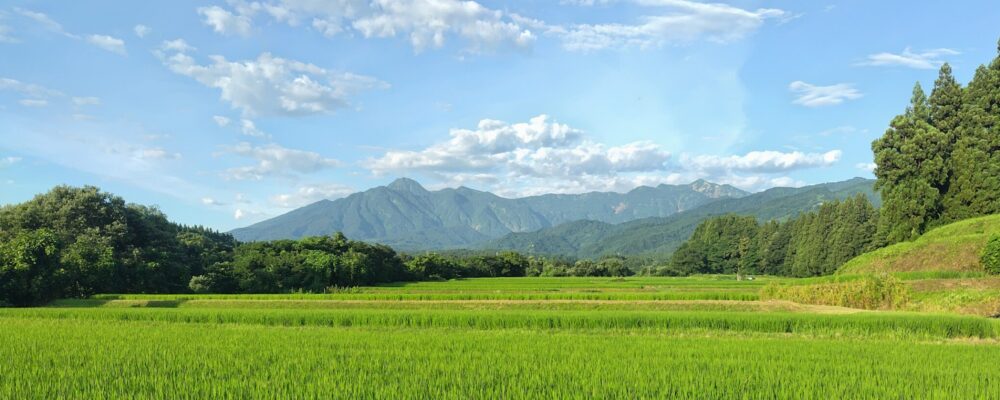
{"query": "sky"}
(225, 113)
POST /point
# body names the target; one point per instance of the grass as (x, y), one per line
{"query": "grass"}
(953, 247)
(501, 338)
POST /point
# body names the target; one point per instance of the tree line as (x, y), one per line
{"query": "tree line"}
(814, 243)
(76, 242)
(939, 161)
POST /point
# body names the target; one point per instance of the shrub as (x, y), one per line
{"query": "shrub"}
(991, 256)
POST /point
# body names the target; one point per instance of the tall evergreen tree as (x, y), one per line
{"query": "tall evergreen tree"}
(974, 188)
(911, 172)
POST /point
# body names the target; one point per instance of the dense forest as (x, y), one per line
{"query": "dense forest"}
(939, 161)
(814, 243)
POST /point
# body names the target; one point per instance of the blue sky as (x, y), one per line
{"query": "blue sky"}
(227, 113)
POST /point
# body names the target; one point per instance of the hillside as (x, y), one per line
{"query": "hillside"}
(661, 236)
(406, 216)
(953, 247)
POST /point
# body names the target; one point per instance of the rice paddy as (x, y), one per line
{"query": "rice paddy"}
(494, 338)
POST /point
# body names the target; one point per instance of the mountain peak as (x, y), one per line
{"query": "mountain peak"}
(406, 185)
(716, 190)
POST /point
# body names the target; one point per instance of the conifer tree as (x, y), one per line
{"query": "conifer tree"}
(911, 172)
(974, 188)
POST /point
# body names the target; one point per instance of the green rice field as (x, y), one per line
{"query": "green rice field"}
(695, 337)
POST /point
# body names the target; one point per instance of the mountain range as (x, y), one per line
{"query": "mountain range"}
(644, 221)
(407, 216)
(660, 236)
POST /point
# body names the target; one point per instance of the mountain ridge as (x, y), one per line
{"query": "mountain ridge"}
(406, 215)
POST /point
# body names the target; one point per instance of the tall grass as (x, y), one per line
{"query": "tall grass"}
(873, 292)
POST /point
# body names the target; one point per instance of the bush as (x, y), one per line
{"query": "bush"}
(991, 256)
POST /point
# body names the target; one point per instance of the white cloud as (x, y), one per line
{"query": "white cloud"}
(178, 45)
(250, 129)
(28, 89)
(86, 101)
(928, 59)
(112, 44)
(34, 102)
(208, 201)
(869, 167)
(220, 120)
(309, 194)
(271, 85)
(684, 22)
(762, 161)
(425, 23)
(275, 160)
(44, 21)
(224, 22)
(139, 153)
(109, 43)
(816, 96)
(252, 215)
(543, 156)
(142, 30)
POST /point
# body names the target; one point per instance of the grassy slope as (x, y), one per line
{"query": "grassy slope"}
(941, 268)
(954, 247)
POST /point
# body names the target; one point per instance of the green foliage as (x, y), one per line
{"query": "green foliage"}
(660, 237)
(814, 243)
(991, 256)
(939, 161)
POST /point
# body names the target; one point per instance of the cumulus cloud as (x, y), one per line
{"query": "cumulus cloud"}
(544, 156)
(270, 85)
(309, 194)
(141, 30)
(112, 44)
(425, 23)
(927, 59)
(679, 22)
(538, 148)
(225, 22)
(810, 95)
(275, 160)
(220, 120)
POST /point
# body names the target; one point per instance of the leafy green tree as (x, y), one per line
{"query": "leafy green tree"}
(29, 268)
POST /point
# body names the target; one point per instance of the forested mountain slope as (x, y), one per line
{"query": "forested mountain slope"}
(661, 236)
(405, 215)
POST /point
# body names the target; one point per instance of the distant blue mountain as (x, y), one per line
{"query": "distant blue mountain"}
(405, 215)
